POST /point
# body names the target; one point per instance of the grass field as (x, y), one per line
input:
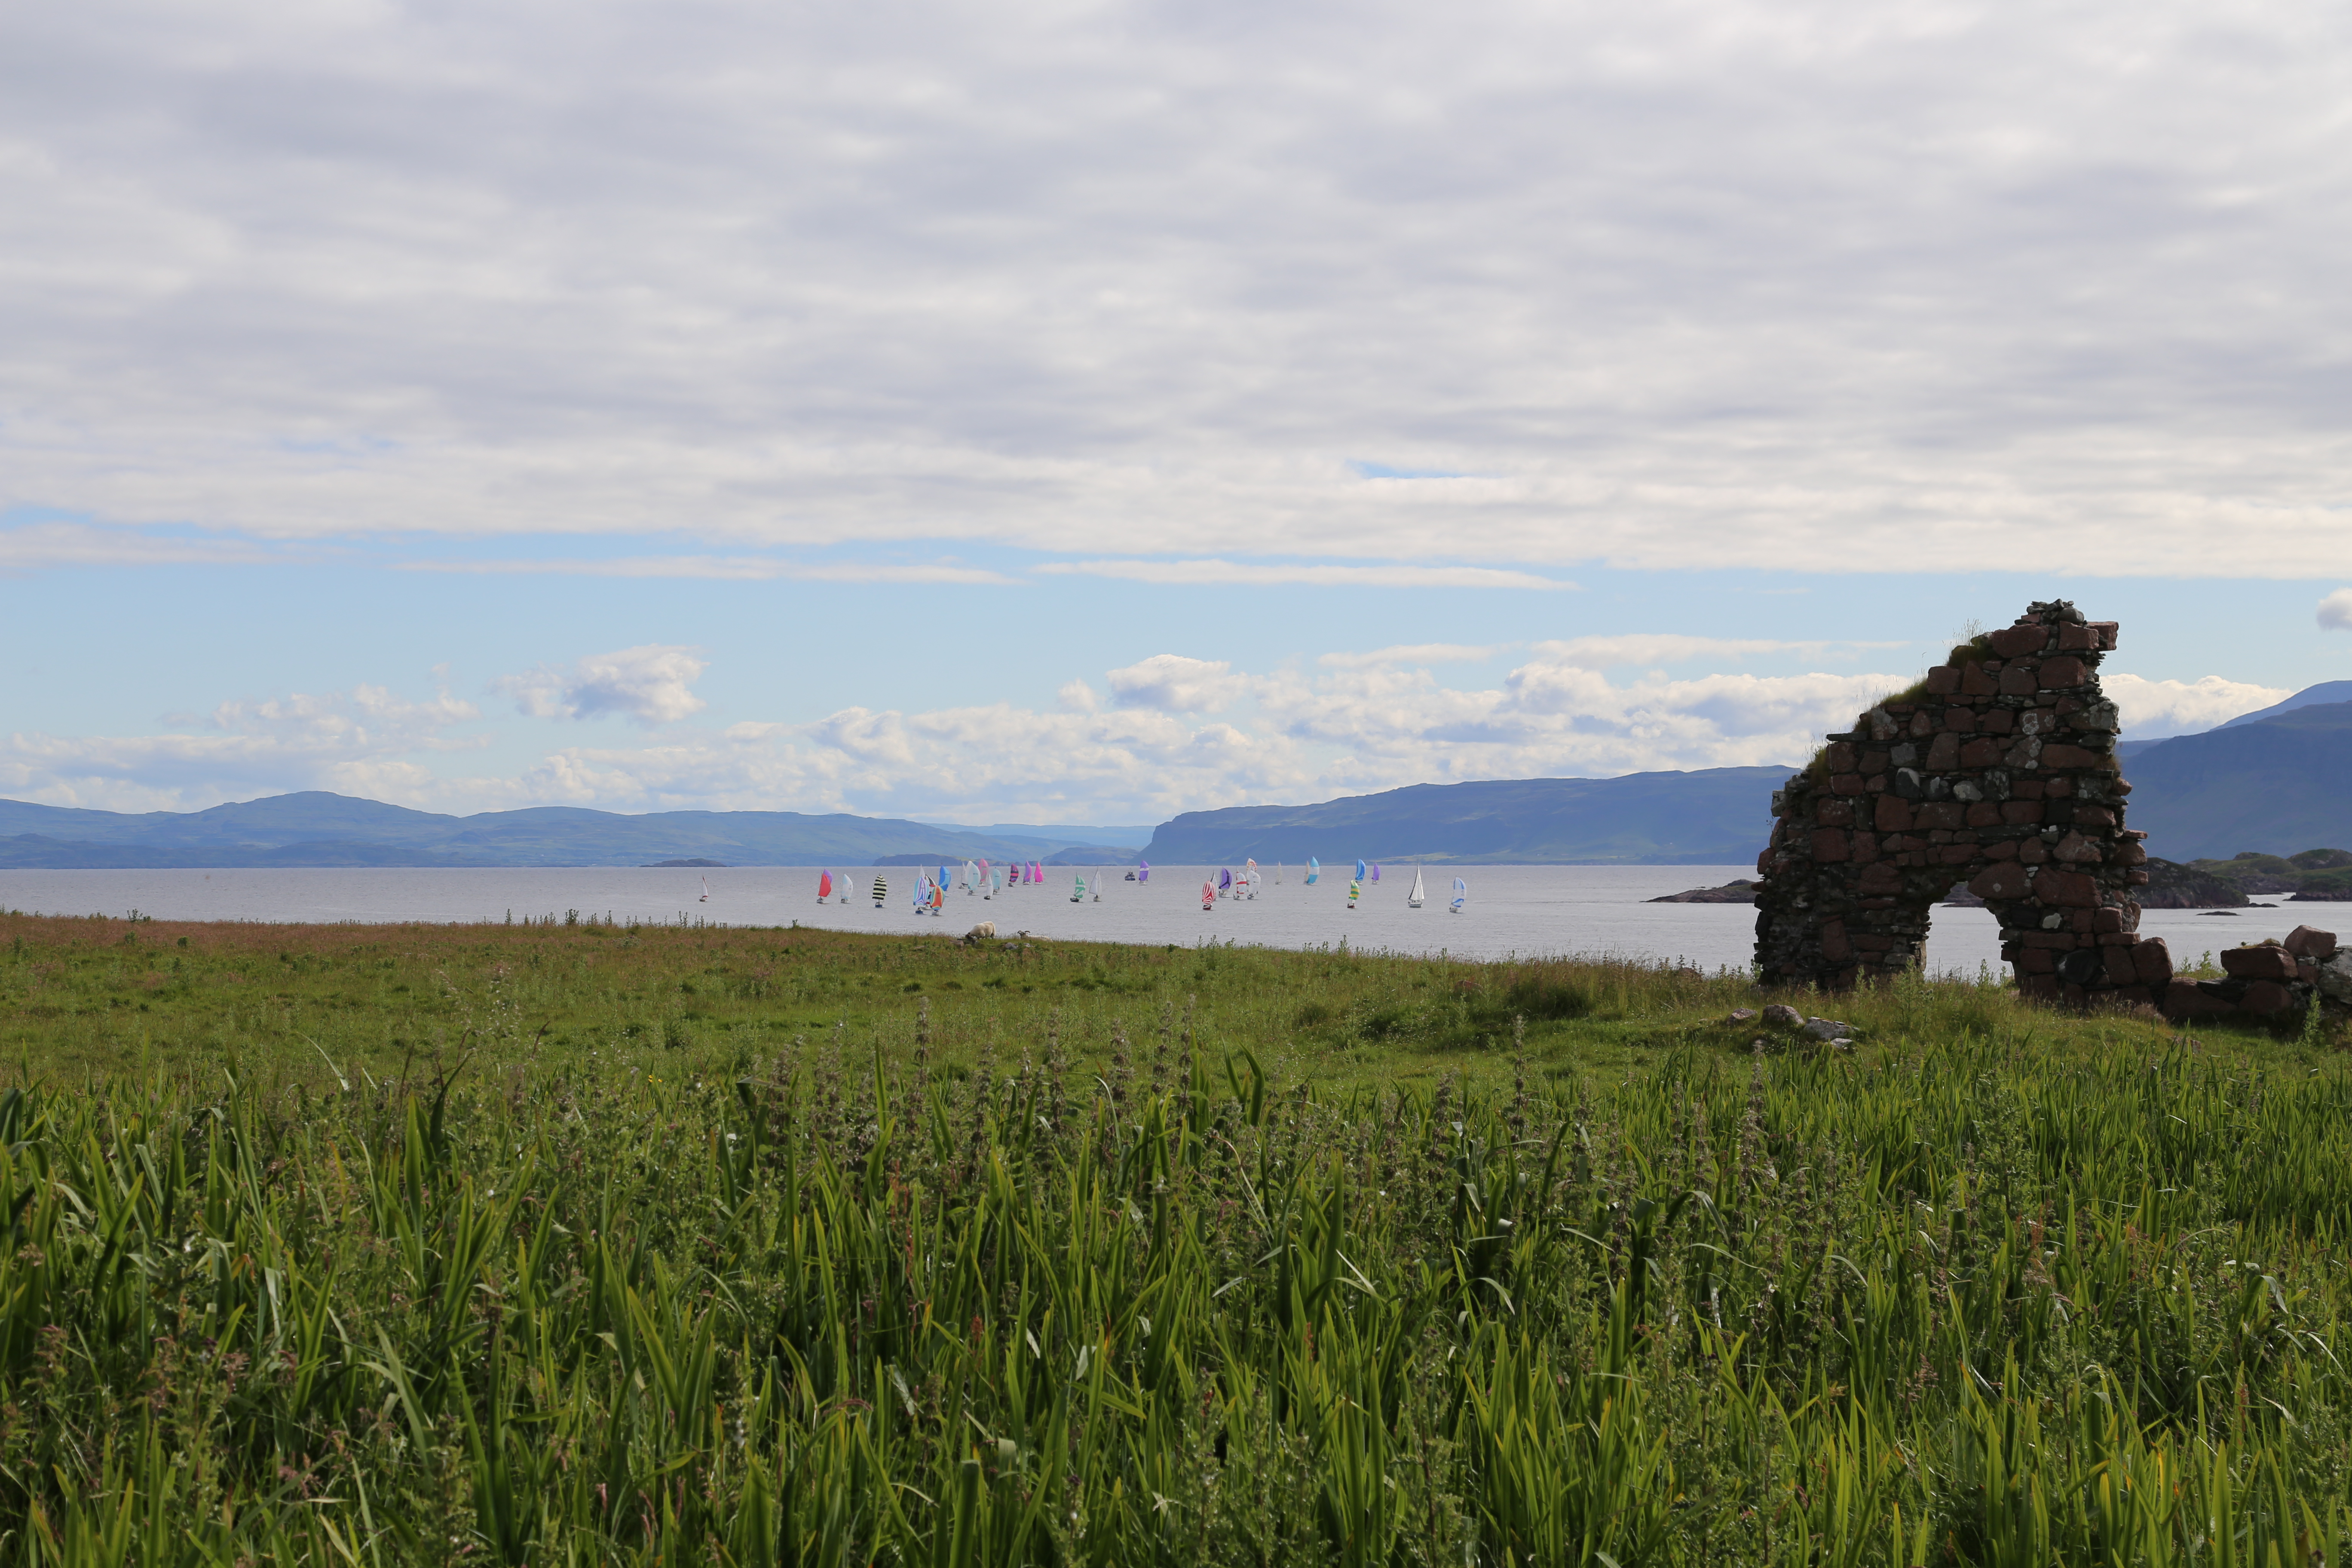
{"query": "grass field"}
(569, 1244)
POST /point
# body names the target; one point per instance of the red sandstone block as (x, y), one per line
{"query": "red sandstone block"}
(1921, 726)
(1982, 753)
(1764, 861)
(1943, 681)
(1959, 854)
(2136, 878)
(2258, 962)
(1838, 757)
(1865, 847)
(2017, 680)
(2026, 789)
(1829, 845)
(2310, 941)
(1834, 946)
(2077, 639)
(2130, 855)
(2118, 963)
(2153, 960)
(2076, 850)
(2071, 757)
(1941, 836)
(2000, 722)
(1881, 877)
(1984, 813)
(2094, 817)
(1939, 814)
(2063, 673)
(2020, 812)
(1875, 762)
(2057, 789)
(2107, 920)
(2037, 960)
(1943, 754)
(2266, 997)
(1834, 814)
(2066, 889)
(1846, 784)
(2002, 849)
(2013, 642)
(1962, 720)
(2106, 631)
(2051, 941)
(2000, 882)
(1872, 943)
(2183, 999)
(2034, 852)
(1893, 814)
(1976, 681)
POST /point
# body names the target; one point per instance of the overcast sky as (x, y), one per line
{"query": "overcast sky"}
(1084, 412)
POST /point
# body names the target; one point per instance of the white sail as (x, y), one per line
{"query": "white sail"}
(1415, 900)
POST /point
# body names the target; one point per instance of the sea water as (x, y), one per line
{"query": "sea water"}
(1525, 912)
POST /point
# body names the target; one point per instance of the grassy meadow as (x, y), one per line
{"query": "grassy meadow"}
(575, 1244)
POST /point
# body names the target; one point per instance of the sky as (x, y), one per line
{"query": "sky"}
(1082, 413)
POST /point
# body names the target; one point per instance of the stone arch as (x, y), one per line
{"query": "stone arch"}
(1998, 770)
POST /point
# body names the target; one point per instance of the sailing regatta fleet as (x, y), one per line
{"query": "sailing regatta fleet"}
(988, 880)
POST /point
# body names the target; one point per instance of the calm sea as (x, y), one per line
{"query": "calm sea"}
(1526, 911)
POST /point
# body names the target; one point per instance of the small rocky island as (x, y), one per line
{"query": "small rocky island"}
(1735, 892)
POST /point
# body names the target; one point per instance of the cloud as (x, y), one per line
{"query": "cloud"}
(1410, 653)
(35, 546)
(363, 742)
(1768, 284)
(723, 568)
(2154, 709)
(652, 684)
(1227, 573)
(1657, 648)
(1077, 697)
(1178, 684)
(2335, 611)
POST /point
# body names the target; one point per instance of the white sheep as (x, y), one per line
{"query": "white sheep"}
(984, 931)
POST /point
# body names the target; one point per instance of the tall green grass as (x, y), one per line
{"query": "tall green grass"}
(1978, 1306)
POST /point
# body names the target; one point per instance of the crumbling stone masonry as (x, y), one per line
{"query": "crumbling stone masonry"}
(1998, 770)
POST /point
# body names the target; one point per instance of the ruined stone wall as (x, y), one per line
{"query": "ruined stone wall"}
(1998, 770)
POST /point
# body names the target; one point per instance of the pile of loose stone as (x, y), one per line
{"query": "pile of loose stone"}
(1998, 771)
(2271, 980)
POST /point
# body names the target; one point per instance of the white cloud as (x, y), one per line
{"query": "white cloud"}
(1178, 733)
(33, 546)
(1410, 653)
(1763, 283)
(1661, 647)
(2335, 611)
(2154, 709)
(1227, 573)
(1178, 684)
(652, 684)
(722, 568)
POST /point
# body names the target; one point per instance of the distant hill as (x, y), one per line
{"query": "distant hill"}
(2274, 784)
(1713, 816)
(317, 829)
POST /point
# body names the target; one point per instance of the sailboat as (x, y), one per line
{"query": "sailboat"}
(1277, 873)
(1143, 870)
(1036, 872)
(706, 891)
(1314, 869)
(939, 900)
(1078, 889)
(1412, 900)
(824, 886)
(1355, 891)
(1461, 895)
(1208, 897)
(970, 879)
(1225, 883)
(881, 889)
(995, 882)
(1249, 880)
(1098, 882)
(1376, 871)
(1360, 869)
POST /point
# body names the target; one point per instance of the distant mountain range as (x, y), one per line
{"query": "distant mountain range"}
(2272, 782)
(1715, 816)
(2275, 782)
(316, 828)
